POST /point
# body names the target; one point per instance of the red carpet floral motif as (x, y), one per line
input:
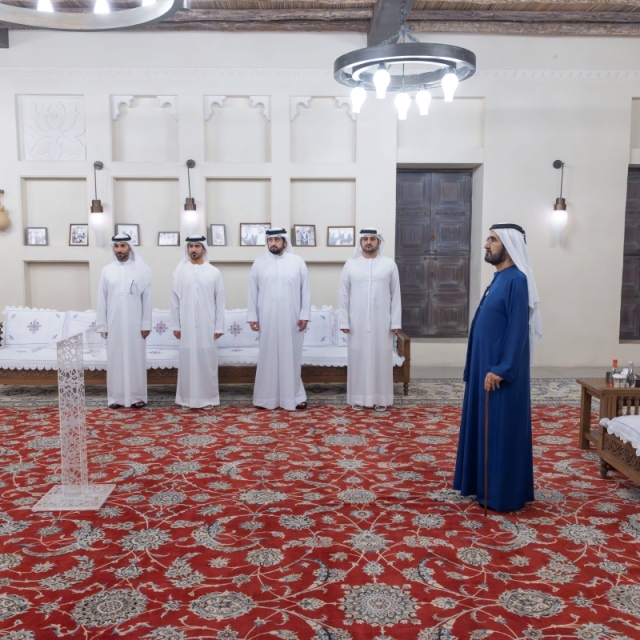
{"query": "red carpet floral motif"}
(327, 524)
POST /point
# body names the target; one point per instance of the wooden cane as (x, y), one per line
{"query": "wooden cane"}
(486, 451)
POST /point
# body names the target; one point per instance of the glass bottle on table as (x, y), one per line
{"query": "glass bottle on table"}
(631, 376)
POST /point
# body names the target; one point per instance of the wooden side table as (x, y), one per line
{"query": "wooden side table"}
(609, 397)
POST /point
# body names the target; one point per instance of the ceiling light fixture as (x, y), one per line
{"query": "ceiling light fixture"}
(100, 19)
(399, 66)
(97, 212)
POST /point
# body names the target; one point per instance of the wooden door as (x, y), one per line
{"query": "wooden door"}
(630, 304)
(433, 230)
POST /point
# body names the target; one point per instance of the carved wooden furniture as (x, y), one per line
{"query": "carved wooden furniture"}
(228, 374)
(614, 402)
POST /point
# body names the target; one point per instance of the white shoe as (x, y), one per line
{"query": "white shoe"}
(357, 407)
(379, 408)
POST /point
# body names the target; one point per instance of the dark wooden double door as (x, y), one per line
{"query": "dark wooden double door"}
(433, 231)
(630, 304)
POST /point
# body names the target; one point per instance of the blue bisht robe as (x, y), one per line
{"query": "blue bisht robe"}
(498, 343)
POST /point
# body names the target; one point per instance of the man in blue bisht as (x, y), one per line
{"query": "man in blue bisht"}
(504, 332)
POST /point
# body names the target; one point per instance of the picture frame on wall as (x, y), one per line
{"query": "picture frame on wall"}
(341, 236)
(304, 235)
(78, 235)
(217, 235)
(132, 229)
(168, 238)
(36, 236)
(253, 233)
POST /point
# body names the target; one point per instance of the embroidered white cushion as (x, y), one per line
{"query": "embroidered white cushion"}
(237, 332)
(161, 336)
(32, 327)
(319, 332)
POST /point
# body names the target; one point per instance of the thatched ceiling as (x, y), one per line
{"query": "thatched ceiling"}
(542, 17)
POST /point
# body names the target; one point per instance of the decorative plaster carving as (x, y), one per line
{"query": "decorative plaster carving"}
(52, 128)
(209, 101)
(171, 101)
(341, 100)
(117, 102)
(246, 72)
(295, 101)
(264, 101)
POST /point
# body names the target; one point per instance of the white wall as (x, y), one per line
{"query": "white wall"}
(532, 101)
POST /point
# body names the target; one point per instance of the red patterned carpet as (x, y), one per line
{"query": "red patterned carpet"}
(327, 524)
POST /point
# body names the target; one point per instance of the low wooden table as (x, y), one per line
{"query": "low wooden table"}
(599, 388)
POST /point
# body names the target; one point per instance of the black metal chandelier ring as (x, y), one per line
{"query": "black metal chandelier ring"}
(357, 68)
(67, 21)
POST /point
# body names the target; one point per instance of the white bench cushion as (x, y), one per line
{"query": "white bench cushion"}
(161, 336)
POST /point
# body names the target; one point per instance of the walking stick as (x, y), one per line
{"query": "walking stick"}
(486, 451)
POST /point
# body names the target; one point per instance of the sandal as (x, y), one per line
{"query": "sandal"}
(379, 408)
(302, 405)
(138, 405)
(357, 407)
(116, 406)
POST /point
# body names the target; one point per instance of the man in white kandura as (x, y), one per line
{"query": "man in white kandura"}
(123, 317)
(197, 320)
(279, 308)
(371, 313)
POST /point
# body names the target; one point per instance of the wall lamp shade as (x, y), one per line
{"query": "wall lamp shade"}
(4, 218)
(559, 216)
(88, 21)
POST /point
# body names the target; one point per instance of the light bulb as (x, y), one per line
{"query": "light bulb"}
(449, 85)
(403, 102)
(423, 100)
(101, 6)
(190, 221)
(381, 80)
(358, 96)
(45, 5)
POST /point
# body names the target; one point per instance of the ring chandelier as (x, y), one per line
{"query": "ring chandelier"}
(403, 67)
(101, 19)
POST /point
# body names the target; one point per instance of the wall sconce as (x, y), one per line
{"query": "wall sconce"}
(97, 212)
(189, 216)
(559, 216)
(4, 218)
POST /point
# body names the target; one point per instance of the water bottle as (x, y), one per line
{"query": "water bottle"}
(614, 370)
(631, 376)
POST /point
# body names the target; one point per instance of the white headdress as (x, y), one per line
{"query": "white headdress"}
(177, 274)
(277, 232)
(514, 240)
(143, 271)
(367, 231)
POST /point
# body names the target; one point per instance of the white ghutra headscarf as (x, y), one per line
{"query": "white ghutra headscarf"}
(277, 232)
(514, 239)
(368, 231)
(143, 271)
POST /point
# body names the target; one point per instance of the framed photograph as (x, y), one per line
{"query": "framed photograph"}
(217, 235)
(37, 236)
(78, 235)
(168, 238)
(253, 233)
(341, 236)
(132, 229)
(304, 235)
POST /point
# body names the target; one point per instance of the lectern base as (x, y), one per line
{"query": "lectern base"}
(74, 497)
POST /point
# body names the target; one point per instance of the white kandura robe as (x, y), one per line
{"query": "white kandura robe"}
(370, 307)
(197, 311)
(279, 296)
(123, 311)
